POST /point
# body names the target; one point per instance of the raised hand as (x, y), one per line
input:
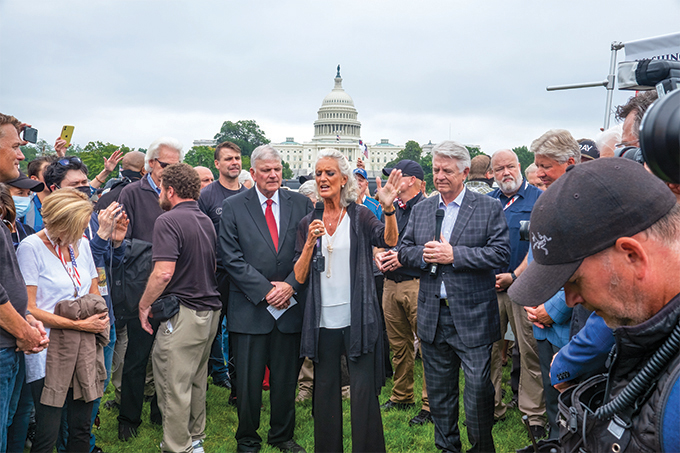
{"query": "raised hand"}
(389, 192)
(111, 163)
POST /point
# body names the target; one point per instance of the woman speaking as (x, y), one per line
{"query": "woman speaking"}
(342, 314)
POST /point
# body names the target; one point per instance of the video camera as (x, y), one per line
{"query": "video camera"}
(660, 127)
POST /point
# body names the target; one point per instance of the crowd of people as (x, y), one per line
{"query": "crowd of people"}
(164, 277)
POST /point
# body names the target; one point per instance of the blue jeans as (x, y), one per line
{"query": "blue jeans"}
(108, 358)
(9, 369)
(217, 365)
(23, 401)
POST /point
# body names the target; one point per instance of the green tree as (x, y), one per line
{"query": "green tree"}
(524, 156)
(245, 133)
(474, 151)
(287, 172)
(202, 155)
(426, 163)
(94, 154)
(412, 151)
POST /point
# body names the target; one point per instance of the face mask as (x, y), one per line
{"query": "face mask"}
(85, 189)
(21, 205)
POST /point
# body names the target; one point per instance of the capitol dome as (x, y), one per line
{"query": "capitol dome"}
(337, 116)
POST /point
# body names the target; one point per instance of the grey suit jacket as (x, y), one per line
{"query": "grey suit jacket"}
(252, 262)
(481, 244)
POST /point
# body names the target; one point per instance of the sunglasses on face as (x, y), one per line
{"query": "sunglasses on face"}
(162, 164)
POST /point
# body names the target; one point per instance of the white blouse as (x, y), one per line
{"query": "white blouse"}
(41, 268)
(336, 289)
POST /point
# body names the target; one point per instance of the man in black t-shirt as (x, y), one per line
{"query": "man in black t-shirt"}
(184, 268)
(228, 163)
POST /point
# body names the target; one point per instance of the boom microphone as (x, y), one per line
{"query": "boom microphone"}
(439, 218)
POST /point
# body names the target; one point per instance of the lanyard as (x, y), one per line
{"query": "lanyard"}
(72, 270)
(513, 199)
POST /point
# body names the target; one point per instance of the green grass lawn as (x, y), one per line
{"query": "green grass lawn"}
(508, 434)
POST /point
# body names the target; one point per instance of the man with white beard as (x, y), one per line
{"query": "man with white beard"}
(517, 198)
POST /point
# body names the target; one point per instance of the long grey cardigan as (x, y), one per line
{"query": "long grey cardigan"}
(365, 318)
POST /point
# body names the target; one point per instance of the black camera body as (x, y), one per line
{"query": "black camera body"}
(660, 137)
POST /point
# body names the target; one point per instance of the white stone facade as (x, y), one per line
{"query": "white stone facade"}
(337, 127)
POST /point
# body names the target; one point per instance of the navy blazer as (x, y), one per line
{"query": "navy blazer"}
(481, 244)
(252, 262)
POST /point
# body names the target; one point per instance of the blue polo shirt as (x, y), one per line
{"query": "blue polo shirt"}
(520, 209)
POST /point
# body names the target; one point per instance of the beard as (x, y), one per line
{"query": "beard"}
(511, 186)
(164, 203)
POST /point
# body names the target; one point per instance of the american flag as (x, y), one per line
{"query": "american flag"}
(364, 148)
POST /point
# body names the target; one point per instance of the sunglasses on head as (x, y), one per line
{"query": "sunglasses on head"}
(66, 161)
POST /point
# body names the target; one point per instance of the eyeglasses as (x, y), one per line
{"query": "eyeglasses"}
(66, 161)
(162, 164)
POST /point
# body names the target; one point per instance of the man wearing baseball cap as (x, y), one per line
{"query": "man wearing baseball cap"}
(364, 197)
(400, 299)
(609, 233)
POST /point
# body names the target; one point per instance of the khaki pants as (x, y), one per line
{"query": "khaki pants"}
(180, 366)
(530, 400)
(400, 304)
(118, 358)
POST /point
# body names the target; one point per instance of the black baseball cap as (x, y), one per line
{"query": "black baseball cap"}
(582, 213)
(408, 168)
(304, 178)
(24, 182)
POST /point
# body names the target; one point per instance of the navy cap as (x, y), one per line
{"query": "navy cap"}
(588, 149)
(361, 172)
(582, 213)
(408, 168)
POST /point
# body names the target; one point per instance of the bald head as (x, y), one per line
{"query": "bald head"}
(506, 171)
(133, 160)
(205, 174)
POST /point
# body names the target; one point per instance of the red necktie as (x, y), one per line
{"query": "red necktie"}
(271, 223)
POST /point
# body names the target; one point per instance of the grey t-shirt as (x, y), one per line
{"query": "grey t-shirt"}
(12, 286)
(187, 236)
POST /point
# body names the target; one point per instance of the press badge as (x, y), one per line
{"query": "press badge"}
(103, 287)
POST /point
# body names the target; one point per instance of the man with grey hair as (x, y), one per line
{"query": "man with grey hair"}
(257, 237)
(458, 318)
(553, 152)
(141, 202)
(517, 198)
(532, 178)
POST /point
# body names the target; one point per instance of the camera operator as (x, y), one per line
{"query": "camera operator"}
(627, 273)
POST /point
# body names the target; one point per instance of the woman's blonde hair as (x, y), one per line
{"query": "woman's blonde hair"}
(66, 213)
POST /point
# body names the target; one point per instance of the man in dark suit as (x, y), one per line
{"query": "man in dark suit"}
(257, 240)
(458, 318)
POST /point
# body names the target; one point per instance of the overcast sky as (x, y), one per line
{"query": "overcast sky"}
(128, 72)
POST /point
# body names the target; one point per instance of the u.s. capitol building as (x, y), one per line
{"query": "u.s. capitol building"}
(337, 127)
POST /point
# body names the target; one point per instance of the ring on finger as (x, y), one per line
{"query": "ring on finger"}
(317, 231)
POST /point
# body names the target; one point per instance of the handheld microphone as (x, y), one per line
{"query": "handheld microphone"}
(319, 260)
(439, 219)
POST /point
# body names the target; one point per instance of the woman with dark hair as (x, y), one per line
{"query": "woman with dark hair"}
(342, 313)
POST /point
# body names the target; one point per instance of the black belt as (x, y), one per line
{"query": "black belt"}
(398, 278)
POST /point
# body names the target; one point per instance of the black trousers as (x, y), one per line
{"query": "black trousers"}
(281, 353)
(134, 375)
(546, 351)
(367, 428)
(48, 420)
(379, 285)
